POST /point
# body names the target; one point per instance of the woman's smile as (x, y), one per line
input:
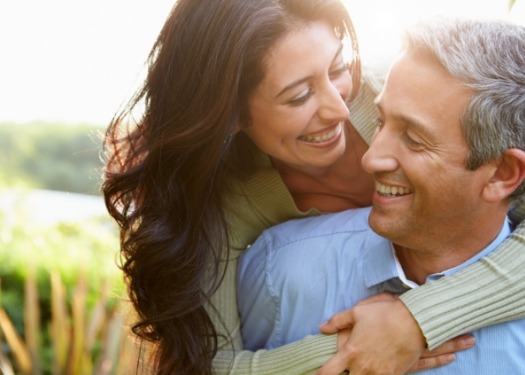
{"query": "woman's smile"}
(298, 111)
(323, 137)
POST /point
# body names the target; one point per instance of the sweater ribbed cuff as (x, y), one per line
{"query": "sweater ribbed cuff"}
(299, 358)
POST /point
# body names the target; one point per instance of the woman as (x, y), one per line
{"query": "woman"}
(190, 188)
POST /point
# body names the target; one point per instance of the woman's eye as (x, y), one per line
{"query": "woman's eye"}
(338, 71)
(301, 99)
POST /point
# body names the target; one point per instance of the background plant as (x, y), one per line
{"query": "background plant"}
(62, 299)
(51, 156)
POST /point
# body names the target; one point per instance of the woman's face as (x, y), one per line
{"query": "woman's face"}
(298, 110)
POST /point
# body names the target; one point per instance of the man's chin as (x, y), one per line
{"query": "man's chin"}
(384, 225)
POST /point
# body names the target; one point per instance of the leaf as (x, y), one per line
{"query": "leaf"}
(20, 351)
(77, 355)
(98, 317)
(60, 323)
(5, 365)
(32, 321)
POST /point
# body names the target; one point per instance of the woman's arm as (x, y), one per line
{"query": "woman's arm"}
(302, 357)
(488, 292)
(298, 358)
(380, 336)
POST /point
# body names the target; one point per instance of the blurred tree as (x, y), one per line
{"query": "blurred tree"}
(51, 156)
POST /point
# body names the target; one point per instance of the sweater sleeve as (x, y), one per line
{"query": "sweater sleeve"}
(301, 357)
(486, 293)
(261, 201)
(298, 358)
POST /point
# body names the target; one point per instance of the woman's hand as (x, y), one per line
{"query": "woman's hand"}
(380, 336)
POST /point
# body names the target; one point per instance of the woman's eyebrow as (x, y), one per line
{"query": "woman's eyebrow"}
(304, 79)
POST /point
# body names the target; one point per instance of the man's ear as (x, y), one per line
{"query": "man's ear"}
(510, 172)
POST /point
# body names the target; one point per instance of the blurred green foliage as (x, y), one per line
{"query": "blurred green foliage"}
(66, 158)
(88, 248)
(75, 251)
(87, 318)
(51, 156)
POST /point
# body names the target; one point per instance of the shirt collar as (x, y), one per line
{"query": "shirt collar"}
(381, 264)
(503, 234)
(378, 260)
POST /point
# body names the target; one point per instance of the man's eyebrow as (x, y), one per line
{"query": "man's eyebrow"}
(412, 121)
(302, 80)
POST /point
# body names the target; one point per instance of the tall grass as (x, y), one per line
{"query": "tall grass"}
(62, 305)
(82, 340)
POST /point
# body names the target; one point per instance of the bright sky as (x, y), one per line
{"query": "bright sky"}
(76, 61)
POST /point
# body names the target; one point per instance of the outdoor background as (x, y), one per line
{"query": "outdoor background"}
(66, 68)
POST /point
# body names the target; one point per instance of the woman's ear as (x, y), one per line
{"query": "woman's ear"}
(509, 173)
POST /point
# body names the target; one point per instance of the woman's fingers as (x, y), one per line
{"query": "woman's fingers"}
(432, 362)
(443, 354)
(383, 339)
(381, 297)
(342, 320)
(334, 366)
(456, 344)
(380, 336)
(346, 319)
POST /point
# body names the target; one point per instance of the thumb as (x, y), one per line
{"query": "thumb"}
(344, 319)
(381, 297)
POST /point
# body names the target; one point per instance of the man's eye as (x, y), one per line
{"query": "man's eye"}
(378, 123)
(413, 143)
(302, 99)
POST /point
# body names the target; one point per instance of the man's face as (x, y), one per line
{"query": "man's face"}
(424, 194)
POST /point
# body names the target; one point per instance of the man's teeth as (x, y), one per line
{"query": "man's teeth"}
(393, 191)
(320, 137)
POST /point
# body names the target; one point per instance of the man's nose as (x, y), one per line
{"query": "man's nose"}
(382, 155)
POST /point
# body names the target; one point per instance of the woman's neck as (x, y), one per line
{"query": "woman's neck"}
(341, 186)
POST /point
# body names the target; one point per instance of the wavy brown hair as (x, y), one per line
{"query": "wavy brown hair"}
(165, 172)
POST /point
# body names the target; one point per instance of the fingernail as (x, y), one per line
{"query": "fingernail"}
(469, 341)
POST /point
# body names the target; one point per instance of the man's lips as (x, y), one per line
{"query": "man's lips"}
(392, 190)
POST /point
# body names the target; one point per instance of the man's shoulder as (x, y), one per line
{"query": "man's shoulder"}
(346, 223)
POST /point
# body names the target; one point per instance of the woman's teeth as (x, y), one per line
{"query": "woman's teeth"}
(318, 138)
(393, 191)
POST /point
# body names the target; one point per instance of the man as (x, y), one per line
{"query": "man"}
(448, 158)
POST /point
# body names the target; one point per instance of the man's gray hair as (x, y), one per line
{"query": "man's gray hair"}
(489, 58)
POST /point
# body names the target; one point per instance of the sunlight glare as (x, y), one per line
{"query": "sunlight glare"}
(77, 61)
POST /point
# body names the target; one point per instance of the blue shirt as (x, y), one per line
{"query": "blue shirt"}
(300, 273)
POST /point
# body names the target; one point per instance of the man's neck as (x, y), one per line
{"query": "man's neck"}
(421, 261)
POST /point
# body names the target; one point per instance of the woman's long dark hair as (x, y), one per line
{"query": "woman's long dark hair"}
(165, 172)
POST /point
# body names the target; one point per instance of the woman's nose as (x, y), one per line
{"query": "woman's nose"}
(333, 104)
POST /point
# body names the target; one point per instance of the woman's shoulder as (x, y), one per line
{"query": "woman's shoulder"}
(257, 201)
